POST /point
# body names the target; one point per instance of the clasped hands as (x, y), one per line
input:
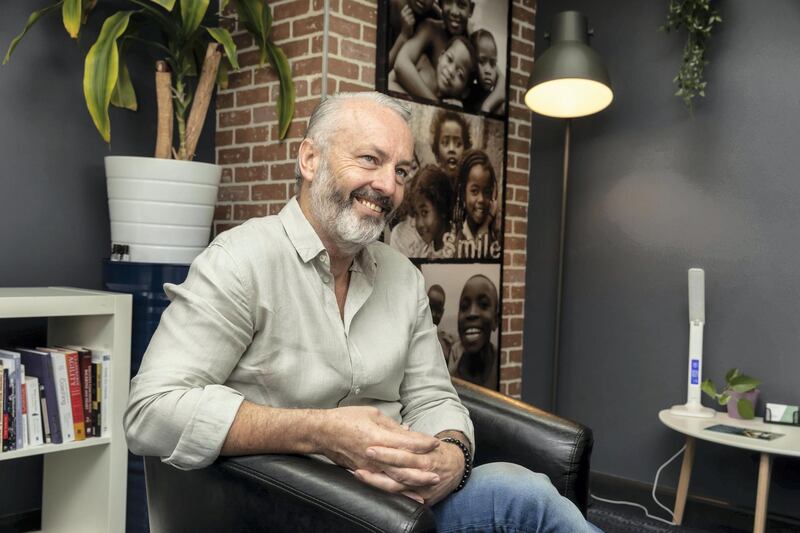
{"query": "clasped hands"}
(389, 456)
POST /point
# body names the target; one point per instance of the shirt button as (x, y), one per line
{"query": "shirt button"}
(324, 258)
(326, 279)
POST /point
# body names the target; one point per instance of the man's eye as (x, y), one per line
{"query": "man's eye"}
(370, 159)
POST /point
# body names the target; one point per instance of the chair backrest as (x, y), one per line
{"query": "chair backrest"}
(512, 431)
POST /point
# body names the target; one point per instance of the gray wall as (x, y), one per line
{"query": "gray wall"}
(53, 210)
(654, 191)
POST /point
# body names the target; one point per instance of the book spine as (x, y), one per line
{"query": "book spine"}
(62, 390)
(75, 396)
(48, 435)
(105, 428)
(9, 441)
(4, 405)
(34, 418)
(86, 390)
(96, 396)
(23, 396)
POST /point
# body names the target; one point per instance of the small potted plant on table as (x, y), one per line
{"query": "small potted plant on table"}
(740, 393)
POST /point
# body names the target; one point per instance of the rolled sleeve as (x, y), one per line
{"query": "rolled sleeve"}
(430, 402)
(178, 407)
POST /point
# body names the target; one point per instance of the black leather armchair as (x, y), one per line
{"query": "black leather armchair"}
(295, 493)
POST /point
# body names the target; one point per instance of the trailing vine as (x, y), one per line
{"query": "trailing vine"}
(698, 18)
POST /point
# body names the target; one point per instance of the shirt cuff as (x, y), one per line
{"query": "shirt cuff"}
(202, 438)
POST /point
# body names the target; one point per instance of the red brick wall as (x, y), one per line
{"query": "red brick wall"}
(258, 176)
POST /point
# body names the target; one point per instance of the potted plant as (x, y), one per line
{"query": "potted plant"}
(740, 393)
(162, 207)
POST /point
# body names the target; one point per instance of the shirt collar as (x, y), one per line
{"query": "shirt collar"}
(300, 231)
(305, 240)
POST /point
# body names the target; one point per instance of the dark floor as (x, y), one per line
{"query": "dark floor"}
(698, 518)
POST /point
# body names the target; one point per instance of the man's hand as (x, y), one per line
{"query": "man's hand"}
(346, 435)
(409, 473)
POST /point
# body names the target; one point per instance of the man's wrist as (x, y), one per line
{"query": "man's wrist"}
(467, 468)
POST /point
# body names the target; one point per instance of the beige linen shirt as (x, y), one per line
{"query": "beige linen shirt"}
(257, 318)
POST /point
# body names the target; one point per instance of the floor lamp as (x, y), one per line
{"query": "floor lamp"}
(569, 80)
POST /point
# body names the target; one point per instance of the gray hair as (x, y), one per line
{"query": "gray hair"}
(323, 121)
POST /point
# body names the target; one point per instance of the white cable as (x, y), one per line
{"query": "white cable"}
(655, 485)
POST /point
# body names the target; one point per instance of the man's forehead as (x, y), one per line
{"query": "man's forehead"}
(370, 124)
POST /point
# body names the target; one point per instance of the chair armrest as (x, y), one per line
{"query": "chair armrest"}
(513, 431)
(274, 493)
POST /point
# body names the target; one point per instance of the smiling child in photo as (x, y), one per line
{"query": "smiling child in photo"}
(474, 357)
(421, 234)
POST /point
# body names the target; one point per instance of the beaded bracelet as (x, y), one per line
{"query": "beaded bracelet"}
(467, 460)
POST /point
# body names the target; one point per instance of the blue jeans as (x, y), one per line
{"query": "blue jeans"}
(509, 498)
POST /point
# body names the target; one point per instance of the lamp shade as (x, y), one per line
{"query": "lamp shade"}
(569, 79)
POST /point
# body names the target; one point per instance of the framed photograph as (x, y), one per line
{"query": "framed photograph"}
(465, 304)
(453, 206)
(449, 53)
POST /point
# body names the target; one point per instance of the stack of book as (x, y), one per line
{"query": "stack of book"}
(53, 395)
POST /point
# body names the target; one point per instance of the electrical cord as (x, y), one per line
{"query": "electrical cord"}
(655, 499)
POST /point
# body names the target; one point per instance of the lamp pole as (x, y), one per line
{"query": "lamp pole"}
(560, 283)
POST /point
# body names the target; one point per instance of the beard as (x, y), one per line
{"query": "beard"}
(335, 212)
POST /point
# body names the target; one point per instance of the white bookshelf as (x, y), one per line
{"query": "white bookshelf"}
(83, 485)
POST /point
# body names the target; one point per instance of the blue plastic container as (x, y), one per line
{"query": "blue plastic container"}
(145, 281)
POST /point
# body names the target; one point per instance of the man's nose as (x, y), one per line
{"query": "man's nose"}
(385, 181)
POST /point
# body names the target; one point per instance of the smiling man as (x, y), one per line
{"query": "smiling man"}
(298, 333)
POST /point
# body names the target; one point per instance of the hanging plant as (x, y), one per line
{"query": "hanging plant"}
(698, 18)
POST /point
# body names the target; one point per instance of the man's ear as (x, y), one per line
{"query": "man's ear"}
(308, 158)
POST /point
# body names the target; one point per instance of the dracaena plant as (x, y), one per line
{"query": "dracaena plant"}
(191, 63)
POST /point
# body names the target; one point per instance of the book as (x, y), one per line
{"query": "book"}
(14, 390)
(23, 397)
(75, 395)
(7, 425)
(103, 360)
(39, 364)
(85, 367)
(745, 432)
(3, 417)
(64, 404)
(34, 416)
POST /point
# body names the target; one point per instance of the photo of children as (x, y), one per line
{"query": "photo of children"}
(452, 208)
(445, 52)
(471, 317)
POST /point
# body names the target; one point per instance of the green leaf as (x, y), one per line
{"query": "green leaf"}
(102, 69)
(223, 37)
(166, 4)
(257, 18)
(745, 408)
(732, 373)
(708, 387)
(743, 383)
(192, 13)
(222, 74)
(32, 19)
(724, 398)
(286, 97)
(124, 96)
(72, 13)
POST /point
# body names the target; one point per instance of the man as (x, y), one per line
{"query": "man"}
(298, 333)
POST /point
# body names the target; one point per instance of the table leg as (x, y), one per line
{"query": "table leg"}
(762, 494)
(683, 481)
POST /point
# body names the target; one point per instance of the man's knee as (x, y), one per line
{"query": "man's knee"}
(524, 497)
(512, 483)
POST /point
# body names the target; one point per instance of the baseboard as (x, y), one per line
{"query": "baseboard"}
(700, 510)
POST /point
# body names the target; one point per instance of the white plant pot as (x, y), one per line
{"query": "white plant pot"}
(161, 208)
